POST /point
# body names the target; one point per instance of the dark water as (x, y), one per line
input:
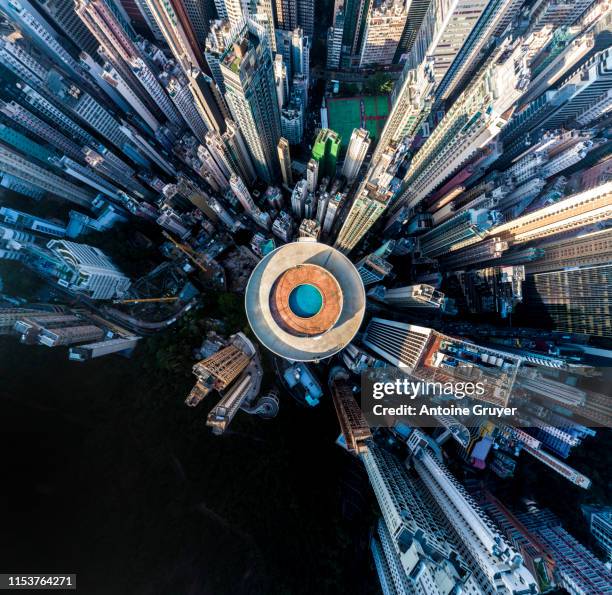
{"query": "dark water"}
(105, 473)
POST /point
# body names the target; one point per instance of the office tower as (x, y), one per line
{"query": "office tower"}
(353, 425)
(306, 16)
(283, 226)
(177, 87)
(600, 525)
(291, 14)
(178, 33)
(445, 27)
(287, 14)
(298, 198)
(368, 205)
(415, 296)
(248, 75)
(355, 154)
(334, 42)
(217, 372)
(496, 565)
(309, 228)
(536, 556)
(575, 300)
(312, 175)
(325, 152)
(145, 148)
(45, 131)
(414, 551)
(273, 198)
(17, 170)
(383, 30)
(373, 269)
(172, 221)
(87, 270)
(571, 213)
(473, 120)
(284, 158)
(217, 170)
(464, 229)
(576, 568)
(300, 53)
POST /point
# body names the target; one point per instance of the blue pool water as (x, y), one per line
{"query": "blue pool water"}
(305, 300)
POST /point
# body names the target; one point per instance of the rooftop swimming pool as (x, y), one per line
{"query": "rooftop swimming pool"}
(305, 300)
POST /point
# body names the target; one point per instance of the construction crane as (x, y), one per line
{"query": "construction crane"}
(146, 300)
(188, 252)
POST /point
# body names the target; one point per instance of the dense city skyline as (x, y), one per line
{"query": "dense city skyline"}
(334, 194)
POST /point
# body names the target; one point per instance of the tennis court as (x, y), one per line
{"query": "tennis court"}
(347, 113)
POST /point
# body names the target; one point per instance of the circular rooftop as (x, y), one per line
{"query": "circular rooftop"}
(305, 301)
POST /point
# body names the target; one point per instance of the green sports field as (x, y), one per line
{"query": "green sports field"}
(357, 112)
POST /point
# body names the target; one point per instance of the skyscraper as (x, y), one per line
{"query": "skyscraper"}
(248, 74)
(186, 49)
(353, 425)
(85, 269)
(284, 158)
(355, 154)
(445, 27)
(384, 27)
(411, 534)
(368, 205)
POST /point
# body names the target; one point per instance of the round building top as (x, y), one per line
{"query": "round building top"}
(305, 301)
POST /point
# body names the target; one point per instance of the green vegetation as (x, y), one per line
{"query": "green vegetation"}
(379, 83)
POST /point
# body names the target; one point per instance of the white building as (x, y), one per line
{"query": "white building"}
(87, 270)
(355, 154)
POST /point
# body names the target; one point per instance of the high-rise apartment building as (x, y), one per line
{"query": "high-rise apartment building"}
(186, 49)
(368, 205)
(414, 552)
(353, 425)
(248, 75)
(355, 154)
(496, 565)
(217, 372)
(284, 158)
(384, 27)
(445, 27)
